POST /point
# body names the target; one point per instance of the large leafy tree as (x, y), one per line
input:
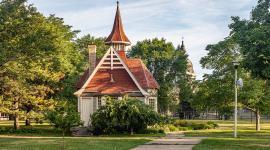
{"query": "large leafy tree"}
(215, 91)
(217, 88)
(83, 42)
(255, 96)
(38, 59)
(253, 37)
(167, 64)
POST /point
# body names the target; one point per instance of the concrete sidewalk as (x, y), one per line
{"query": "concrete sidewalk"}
(172, 141)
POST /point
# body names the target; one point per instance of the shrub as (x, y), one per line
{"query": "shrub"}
(199, 126)
(164, 120)
(64, 117)
(122, 116)
(151, 131)
(184, 128)
(172, 128)
(194, 126)
(212, 124)
(181, 123)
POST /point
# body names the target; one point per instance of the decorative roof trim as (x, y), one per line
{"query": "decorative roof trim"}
(111, 49)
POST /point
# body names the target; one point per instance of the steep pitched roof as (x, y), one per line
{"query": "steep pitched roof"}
(122, 81)
(101, 82)
(142, 74)
(117, 35)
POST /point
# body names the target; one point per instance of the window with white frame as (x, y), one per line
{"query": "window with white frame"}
(99, 102)
(152, 102)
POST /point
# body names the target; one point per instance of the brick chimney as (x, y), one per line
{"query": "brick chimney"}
(92, 57)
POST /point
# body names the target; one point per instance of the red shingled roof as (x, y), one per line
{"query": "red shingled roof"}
(122, 81)
(142, 74)
(117, 35)
(101, 82)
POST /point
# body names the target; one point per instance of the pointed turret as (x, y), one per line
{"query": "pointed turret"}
(182, 47)
(117, 38)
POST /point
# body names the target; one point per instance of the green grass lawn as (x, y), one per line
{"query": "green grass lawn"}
(70, 143)
(46, 130)
(218, 139)
(44, 137)
(221, 138)
(233, 144)
(6, 128)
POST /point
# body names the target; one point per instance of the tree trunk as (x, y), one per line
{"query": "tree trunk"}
(258, 118)
(16, 117)
(27, 122)
(16, 122)
(131, 131)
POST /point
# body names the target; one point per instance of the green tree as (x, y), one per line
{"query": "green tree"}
(38, 58)
(253, 37)
(217, 88)
(64, 117)
(167, 65)
(255, 96)
(83, 42)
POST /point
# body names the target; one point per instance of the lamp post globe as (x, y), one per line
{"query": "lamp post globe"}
(235, 64)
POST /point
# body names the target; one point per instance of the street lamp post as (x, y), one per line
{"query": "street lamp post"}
(235, 64)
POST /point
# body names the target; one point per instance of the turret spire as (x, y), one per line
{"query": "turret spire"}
(117, 36)
(182, 47)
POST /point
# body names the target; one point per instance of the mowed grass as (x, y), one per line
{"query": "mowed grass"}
(45, 137)
(225, 129)
(222, 137)
(233, 144)
(70, 143)
(45, 129)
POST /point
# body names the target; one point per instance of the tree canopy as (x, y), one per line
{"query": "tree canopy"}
(167, 64)
(38, 59)
(253, 37)
(249, 44)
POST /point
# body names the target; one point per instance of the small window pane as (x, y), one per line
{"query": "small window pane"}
(99, 102)
(152, 103)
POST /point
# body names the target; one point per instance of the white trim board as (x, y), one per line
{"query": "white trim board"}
(111, 51)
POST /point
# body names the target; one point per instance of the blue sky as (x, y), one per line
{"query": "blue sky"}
(200, 22)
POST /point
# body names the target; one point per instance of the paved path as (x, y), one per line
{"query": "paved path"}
(172, 141)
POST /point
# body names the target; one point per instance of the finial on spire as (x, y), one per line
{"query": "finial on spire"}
(117, 35)
(182, 40)
(182, 47)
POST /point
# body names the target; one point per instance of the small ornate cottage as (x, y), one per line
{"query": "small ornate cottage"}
(114, 75)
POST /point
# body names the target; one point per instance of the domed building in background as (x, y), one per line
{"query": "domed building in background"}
(190, 70)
